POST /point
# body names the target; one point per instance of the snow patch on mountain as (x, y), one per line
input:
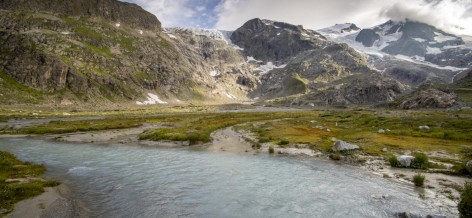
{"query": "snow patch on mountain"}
(443, 38)
(152, 99)
(268, 67)
(410, 59)
(432, 50)
(339, 30)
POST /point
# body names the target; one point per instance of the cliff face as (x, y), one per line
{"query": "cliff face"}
(112, 10)
(90, 59)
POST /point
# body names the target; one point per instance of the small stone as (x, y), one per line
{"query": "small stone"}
(381, 131)
(384, 149)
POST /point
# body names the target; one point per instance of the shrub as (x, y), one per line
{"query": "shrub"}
(271, 150)
(393, 160)
(420, 161)
(418, 179)
(264, 140)
(465, 205)
(283, 142)
(335, 156)
(461, 169)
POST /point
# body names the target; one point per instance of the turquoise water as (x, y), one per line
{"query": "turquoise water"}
(124, 181)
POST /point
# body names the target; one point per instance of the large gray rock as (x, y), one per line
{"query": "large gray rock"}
(344, 146)
(468, 166)
(405, 160)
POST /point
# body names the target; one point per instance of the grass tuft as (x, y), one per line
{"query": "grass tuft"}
(418, 179)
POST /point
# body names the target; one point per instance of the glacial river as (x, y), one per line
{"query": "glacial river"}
(124, 181)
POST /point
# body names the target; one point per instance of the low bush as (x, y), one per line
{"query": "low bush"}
(335, 156)
(271, 150)
(283, 142)
(465, 205)
(420, 161)
(418, 179)
(264, 140)
(393, 160)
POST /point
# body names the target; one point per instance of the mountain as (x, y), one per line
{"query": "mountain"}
(411, 52)
(106, 52)
(274, 41)
(312, 68)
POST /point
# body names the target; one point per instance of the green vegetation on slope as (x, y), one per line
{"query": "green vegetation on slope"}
(13, 192)
(13, 92)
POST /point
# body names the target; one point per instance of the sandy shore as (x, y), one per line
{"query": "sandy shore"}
(54, 202)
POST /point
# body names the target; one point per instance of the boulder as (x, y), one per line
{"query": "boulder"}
(423, 127)
(344, 146)
(381, 131)
(468, 166)
(405, 160)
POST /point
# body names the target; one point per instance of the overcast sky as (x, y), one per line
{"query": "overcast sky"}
(454, 16)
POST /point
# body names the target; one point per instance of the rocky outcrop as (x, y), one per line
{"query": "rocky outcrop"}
(275, 41)
(367, 37)
(429, 98)
(344, 146)
(111, 10)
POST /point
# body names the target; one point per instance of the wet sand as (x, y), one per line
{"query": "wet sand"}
(54, 202)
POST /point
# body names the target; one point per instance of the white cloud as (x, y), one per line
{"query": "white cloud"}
(453, 16)
(450, 15)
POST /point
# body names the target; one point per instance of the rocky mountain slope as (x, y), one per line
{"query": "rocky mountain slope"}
(411, 52)
(108, 53)
(316, 70)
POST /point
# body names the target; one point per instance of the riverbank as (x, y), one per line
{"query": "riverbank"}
(54, 202)
(440, 190)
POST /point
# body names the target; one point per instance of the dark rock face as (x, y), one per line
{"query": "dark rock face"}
(367, 37)
(274, 41)
(429, 98)
(351, 28)
(112, 10)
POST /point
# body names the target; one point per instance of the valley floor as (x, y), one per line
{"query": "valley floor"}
(447, 141)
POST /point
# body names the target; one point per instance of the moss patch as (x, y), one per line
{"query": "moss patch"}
(12, 168)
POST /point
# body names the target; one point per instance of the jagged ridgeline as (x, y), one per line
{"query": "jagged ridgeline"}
(96, 51)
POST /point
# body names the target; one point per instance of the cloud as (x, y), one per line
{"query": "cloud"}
(450, 15)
